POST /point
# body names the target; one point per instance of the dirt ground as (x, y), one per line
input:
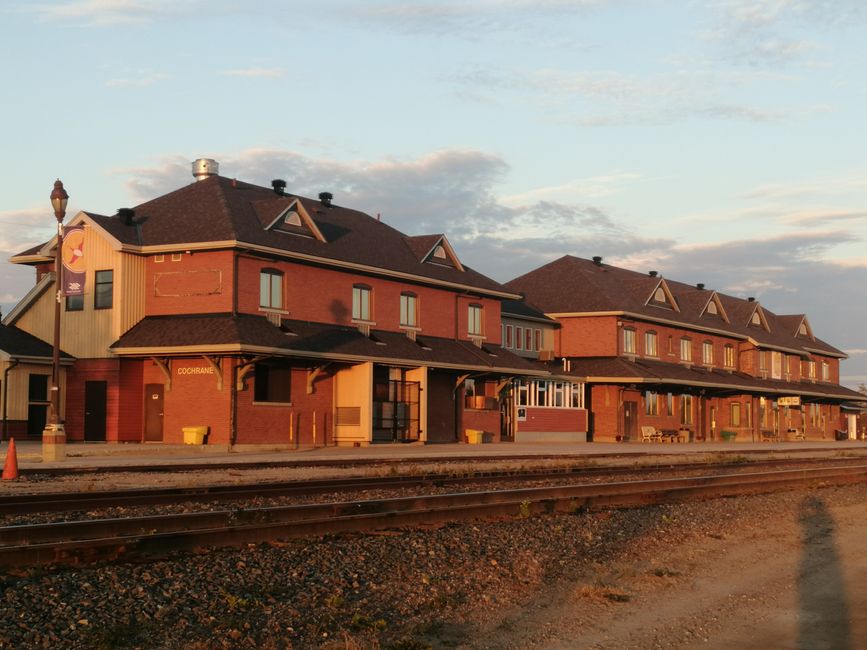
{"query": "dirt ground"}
(789, 575)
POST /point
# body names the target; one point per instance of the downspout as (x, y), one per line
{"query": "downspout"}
(12, 364)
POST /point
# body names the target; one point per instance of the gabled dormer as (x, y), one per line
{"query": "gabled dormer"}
(714, 309)
(295, 220)
(804, 330)
(662, 297)
(757, 318)
(434, 249)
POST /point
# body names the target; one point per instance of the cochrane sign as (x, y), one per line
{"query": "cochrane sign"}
(196, 370)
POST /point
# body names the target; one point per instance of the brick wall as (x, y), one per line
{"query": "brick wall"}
(199, 283)
(85, 370)
(553, 419)
(594, 336)
(325, 295)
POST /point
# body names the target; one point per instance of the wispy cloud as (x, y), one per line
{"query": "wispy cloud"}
(106, 13)
(254, 72)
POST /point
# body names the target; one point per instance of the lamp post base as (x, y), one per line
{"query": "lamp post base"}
(53, 443)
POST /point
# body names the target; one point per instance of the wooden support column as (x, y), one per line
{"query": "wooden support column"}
(217, 370)
(163, 364)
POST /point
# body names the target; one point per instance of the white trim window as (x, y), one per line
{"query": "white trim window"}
(729, 355)
(628, 341)
(271, 289)
(707, 353)
(685, 349)
(549, 394)
(650, 349)
(475, 320)
(361, 302)
(408, 309)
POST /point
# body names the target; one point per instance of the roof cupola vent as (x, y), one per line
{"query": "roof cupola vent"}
(751, 299)
(597, 260)
(700, 285)
(652, 274)
(325, 198)
(205, 167)
(279, 186)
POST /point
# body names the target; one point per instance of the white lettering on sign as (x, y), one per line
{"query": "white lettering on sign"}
(198, 370)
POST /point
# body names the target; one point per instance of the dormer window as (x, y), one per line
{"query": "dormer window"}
(440, 253)
(711, 308)
(756, 319)
(292, 219)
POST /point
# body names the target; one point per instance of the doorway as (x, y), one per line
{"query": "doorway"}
(630, 421)
(94, 410)
(153, 412)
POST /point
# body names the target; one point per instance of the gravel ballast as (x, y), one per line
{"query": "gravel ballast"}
(451, 586)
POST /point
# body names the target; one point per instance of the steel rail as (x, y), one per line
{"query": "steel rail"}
(84, 501)
(142, 537)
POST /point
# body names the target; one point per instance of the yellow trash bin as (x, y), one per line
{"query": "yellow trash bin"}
(474, 436)
(195, 435)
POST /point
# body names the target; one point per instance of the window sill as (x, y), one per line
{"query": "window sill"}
(272, 403)
(361, 321)
(410, 328)
(273, 310)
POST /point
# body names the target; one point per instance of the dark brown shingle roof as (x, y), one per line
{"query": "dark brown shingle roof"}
(300, 338)
(571, 284)
(220, 209)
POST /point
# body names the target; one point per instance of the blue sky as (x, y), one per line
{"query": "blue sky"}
(716, 141)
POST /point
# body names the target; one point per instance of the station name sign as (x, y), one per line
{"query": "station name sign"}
(789, 401)
(196, 370)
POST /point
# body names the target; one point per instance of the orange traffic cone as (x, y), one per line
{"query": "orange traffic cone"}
(10, 469)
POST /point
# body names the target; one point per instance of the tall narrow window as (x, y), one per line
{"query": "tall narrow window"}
(361, 302)
(628, 341)
(651, 403)
(685, 349)
(528, 339)
(650, 344)
(408, 309)
(826, 371)
(538, 339)
(707, 353)
(519, 338)
(104, 290)
(686, 409)
(271, 289)
(729, 357)
(475, 321)
(508, 338)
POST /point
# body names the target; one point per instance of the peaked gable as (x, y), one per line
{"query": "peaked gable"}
(713, 308)
(293, 220)
(757, 318)
(661, 296)
(434, 249)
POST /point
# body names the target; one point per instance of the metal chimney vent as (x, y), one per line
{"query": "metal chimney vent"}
(652, 274)
(700, 285)
(325, 198)
(204, 167)
(279, 186)
(597, 260)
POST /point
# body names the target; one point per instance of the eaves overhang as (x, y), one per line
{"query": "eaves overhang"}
(236, 348)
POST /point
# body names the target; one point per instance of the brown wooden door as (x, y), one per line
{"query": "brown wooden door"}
(94, 410)
(153, 425)
(630, 420)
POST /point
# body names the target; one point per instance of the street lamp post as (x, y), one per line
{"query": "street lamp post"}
(54, 436)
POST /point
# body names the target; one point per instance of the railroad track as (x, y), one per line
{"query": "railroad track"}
(78, 501)
(156, 536)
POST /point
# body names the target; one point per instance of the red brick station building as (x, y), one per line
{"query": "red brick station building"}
(282, 321)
